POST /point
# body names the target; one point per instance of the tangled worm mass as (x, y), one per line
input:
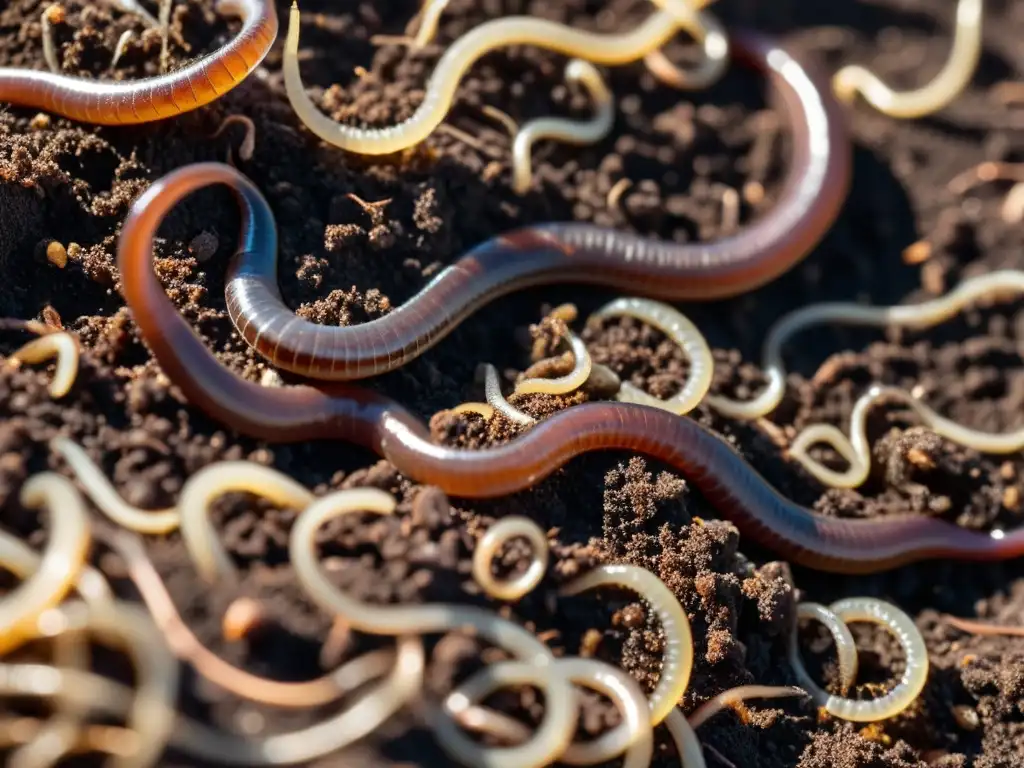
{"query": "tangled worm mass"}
(62, 599)
(40, 607)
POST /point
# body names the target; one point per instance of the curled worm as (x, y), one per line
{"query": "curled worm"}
(809, 201)
(153, 98)
(944, 87)
(369, 419)
(623, 48)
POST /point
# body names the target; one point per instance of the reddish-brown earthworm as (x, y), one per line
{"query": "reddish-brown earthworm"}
(153, 98)
(809, 201)
(348, 412)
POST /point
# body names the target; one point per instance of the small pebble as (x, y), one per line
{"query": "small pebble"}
(57, 254)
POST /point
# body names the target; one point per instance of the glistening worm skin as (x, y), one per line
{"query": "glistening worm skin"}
(811, 198)
(153, 98)
(347, 412)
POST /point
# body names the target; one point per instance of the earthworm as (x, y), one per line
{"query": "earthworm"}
(634, 736)
(946, 86)
(57, 569)
(736, 695)
(607, 49)
(855, 449)
(60, 345)
(541, 254)
(300, 746)
(22, 561)
(92, 738)
(561, 385)
(58, 736)
(491, 542)
(707, 30)
(106, 498)
(564, 130)
(846, 646)
(215, 480)
(973, 627)
(677, 663)
(481, 409)
(187, 646)
(680, 330)
(152, 98)
(150, 710)
(691, 755)
(248, 146)
(497, 401)
(373, 421)
(701, 26)
(907, 689)
(556, 730)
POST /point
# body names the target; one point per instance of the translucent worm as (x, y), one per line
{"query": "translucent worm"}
(680, 330)
(677, 663)
(153, 98)
(58, 736)
(215, 480)
(738, 695)
(855, 449)
(491, 542)
(497, 401)
(846, 647)
(60, 345)
(579, 132)
(91, 738)
(303, 745)
(940, 92)
(482, 409)
(974, 627)
(105, 496)
(60, 564)
(687, 745)
(576, 378)
(188, 647)
(703, 27)
(150, 709)
(652, 34)
(556, 730)
(634, 736)
(906, 690)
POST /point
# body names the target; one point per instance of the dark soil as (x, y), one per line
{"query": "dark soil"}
(345, 262)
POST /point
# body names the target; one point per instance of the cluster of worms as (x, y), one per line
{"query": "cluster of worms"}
(64, 600)
(157, 640)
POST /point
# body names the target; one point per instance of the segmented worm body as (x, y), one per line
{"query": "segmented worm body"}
(344, 411)
(809, 201)
(153, 98)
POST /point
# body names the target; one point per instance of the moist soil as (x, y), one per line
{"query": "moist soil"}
(360, 236)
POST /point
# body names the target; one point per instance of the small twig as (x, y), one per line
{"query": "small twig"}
(730, 210)
(165, 31)
(616, 192)
(983, 173)
(502, 117)
(122, 45)
(54, 14)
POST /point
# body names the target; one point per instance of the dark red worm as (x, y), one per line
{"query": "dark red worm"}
(811, 197)
(349, 412)
(153, 98)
